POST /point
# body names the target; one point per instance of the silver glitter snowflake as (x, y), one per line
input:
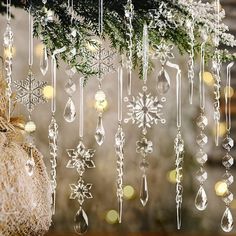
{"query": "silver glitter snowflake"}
(80, 158)
(29, 92)
(144, 110)
(106, 62)
(80, 191)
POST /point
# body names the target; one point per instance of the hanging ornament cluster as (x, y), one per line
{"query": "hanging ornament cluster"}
(143, 110)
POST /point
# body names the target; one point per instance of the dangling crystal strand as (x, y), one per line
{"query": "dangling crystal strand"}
(44, 61)
(53, 136)
(179, 153)
(100, 132)
(81, 222)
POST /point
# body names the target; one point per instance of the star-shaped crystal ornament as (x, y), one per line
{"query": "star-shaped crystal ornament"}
(80, 191)
(103, 60)
(144, 147)
(29, 91)
(163, 52)
(144, 110)
(80, 158)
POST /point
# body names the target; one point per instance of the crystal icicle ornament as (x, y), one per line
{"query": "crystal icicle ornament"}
(227, 221)
(70, 111)
(201, 199)
(30, 163)
(81, 222)
(163, 82)
(144, 190)
(100, 132)
(44, 61)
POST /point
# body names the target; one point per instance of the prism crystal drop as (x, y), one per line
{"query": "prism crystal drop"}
(227, 161)
(29, 166)
(163, 82)
(227, 221)
(202, 121)
(228, 143)
(201, 157)
(202, 140)
(70, 112)
(44, 62)
(228, 178)
(70, 87)
(81, 222)
(201, 176)
(100, 132)
(201, 199)
(144, 191)
(228, 198)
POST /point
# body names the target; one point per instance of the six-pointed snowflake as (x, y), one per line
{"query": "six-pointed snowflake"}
(144, 110)
(163, 52)
(80, 158)
(80, 191)
(29, 92)
(144, 146)
(103, 60)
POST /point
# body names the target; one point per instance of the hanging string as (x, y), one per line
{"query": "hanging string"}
(8, 11)
(228, 98)
(100, 20)
(178, 99)
(201, 81)
(81, 106)
(120, 93)
(30, 37)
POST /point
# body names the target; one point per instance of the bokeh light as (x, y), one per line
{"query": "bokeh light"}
(221, 188)
(48, 92)
(208, 78)
(39, 50)
(112, 217)
(171, 176)
(129, 192)
(230, 91)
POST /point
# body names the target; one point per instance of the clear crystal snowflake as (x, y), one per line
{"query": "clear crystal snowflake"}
(80, 191)
(29, 92)
(144, 146)
(106, 62)
(144, 110)
(163, 52)
(80, 158)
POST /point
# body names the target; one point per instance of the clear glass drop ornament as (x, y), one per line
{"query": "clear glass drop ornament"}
(201, 199)
(44, 62)
(144, 191)
(29, 166)
(163, 82)
(227, 221)
(100, 132)
(70, 111)
(81, 222)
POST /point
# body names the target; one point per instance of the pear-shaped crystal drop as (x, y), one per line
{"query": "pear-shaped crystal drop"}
(81, 222)
(29, 166)
(70, 112)
(227, 221)
(201, 199)
(144, 191)
(100, 132)
(44, 62)
(163, 82)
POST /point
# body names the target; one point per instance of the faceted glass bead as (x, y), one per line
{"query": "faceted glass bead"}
(144, 165)
(81, 222)
(201, 199)
(100, 132)
(201, 176)
(228, 143)
(202, 121)
(228, 178)
(70, 71)
(163, 82)
(227, 221)
(202, 140)
(201, 157)
(228, 198)
(70, 87)
(70, 111)
(144, 191)
(227, 161)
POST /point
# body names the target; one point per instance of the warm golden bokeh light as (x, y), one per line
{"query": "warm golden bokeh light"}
(171, 176)
(48, 92)
(30, 127)
(112, 217)
(230, 91)
(221, 188)
(9, 53)
(129, 192)
(208, 78)
(101, 106)
(39, 50)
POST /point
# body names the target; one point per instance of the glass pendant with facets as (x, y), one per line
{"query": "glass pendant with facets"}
(144, 191)
(201, 199)
(163, 82)
(29, 166)
(81, 222)
(70, 112)
(100, 132)
(227, 221)
(44, 62)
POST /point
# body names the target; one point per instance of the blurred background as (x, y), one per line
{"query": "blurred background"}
(159, 215)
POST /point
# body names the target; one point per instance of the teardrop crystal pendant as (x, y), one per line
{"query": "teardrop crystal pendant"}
(227, 221)
(201, 199)
(163, 82)
(144, 191)
(70, 112)
(29, 166)
(44, 62)
(100, 132)
(81, 222)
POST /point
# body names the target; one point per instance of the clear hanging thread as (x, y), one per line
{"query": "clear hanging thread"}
(228, 143)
